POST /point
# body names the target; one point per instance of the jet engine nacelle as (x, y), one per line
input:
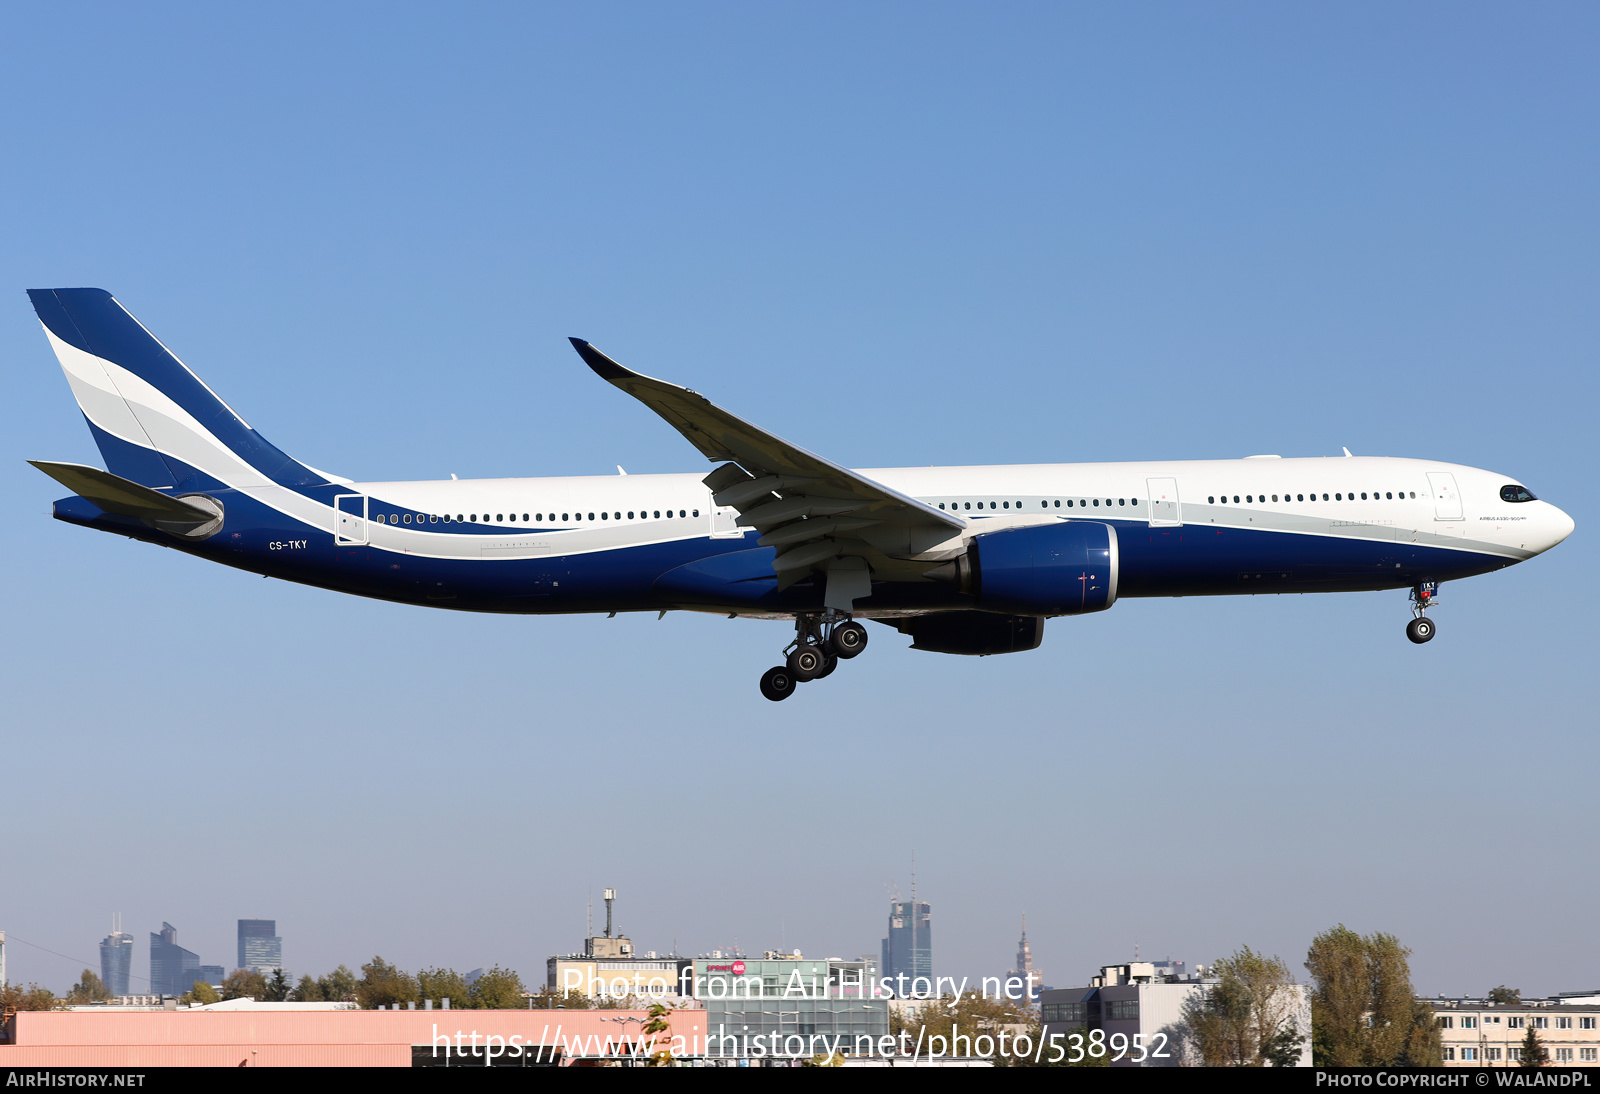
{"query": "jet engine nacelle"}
(1052, 569)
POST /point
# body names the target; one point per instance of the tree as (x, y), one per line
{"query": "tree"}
(1247, 1018)
(1534, 1053)
(244, 984)
(202, 993)
(1363, 1011)
(339, 986)
(1504, 996)
(278, 989)
(1424, 1046)
(498, 989)
(657, 1027)
(307, 991)
(439, 984)
(89, 989)
(383, 985)
(32, 997)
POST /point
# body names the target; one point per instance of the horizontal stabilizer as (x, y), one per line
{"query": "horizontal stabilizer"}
(115, 494)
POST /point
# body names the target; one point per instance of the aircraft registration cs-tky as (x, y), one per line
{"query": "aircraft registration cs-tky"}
(964, 560)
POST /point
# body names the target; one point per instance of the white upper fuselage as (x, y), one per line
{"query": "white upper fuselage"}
(1366, 497)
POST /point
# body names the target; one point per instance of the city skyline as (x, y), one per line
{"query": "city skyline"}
(898, 235)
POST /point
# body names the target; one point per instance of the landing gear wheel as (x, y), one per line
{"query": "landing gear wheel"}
(777, 683)
(807, 662)
(1420, 629)
(833, 663)
(848, 639)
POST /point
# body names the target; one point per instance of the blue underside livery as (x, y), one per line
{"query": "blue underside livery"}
(735, 575)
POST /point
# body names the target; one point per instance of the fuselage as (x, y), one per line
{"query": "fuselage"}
(658, 542)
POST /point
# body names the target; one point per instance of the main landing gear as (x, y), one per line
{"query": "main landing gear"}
(1421, 629)
(821, 641)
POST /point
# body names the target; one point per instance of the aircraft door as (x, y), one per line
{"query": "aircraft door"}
(1165, 510)
(350, 519)
(724, 521)
(1446, 498)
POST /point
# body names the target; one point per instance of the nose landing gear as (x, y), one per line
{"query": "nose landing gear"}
(821, 641)
(1421, 628)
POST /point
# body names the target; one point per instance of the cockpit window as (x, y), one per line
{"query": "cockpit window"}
(1516, 493)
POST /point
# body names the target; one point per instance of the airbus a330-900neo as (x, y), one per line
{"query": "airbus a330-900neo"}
(965, 560)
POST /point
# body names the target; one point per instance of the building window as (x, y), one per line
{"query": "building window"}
(1563, 1055)
(1588, 1055)
(1515, 1023)
(1585, 1023)
(1468, 1022)
(1491, 1054)
(1541, 1022)
(1446, 1022)
(1469, 1054)
(1563, 1023)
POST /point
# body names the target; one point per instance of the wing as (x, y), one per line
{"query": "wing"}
(808, 508)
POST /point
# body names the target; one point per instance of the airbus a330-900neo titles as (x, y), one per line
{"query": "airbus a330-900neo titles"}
(965, 560)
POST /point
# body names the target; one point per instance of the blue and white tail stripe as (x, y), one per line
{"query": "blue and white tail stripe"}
(135, 391)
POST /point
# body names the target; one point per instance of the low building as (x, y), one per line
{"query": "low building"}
(1145, 1004)
(285, 1035)
(647, 977)
(823, 1004)
(1480, 1033)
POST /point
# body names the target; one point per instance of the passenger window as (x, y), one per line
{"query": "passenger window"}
(1121, 501)
(1097, 503)
(1212, 500)
(1058, 503)
(1250, 499)
(1006, 504)
(697, 512)
(658, 514)
(1274, 497)
(1069, 503)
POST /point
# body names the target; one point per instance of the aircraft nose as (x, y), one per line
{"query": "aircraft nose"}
(1560, 526)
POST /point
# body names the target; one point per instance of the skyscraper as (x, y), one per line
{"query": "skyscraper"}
(259, 945)
(116, 959)
(173, 969)
(1030, 976)
(908, 951)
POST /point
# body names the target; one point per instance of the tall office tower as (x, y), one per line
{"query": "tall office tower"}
(116, 959)
(908, 951)
(259, 945)
(173, 969)
(1025, 967)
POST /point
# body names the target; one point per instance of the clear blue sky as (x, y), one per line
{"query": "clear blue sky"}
(896, 234)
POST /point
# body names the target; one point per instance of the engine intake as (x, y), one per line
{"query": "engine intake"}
(1052, 569)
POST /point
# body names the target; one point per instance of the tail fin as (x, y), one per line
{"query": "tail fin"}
(156, 422)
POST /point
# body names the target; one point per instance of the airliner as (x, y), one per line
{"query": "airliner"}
(964, 560)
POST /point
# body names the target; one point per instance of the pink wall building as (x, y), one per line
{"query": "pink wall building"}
(338, 1038)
